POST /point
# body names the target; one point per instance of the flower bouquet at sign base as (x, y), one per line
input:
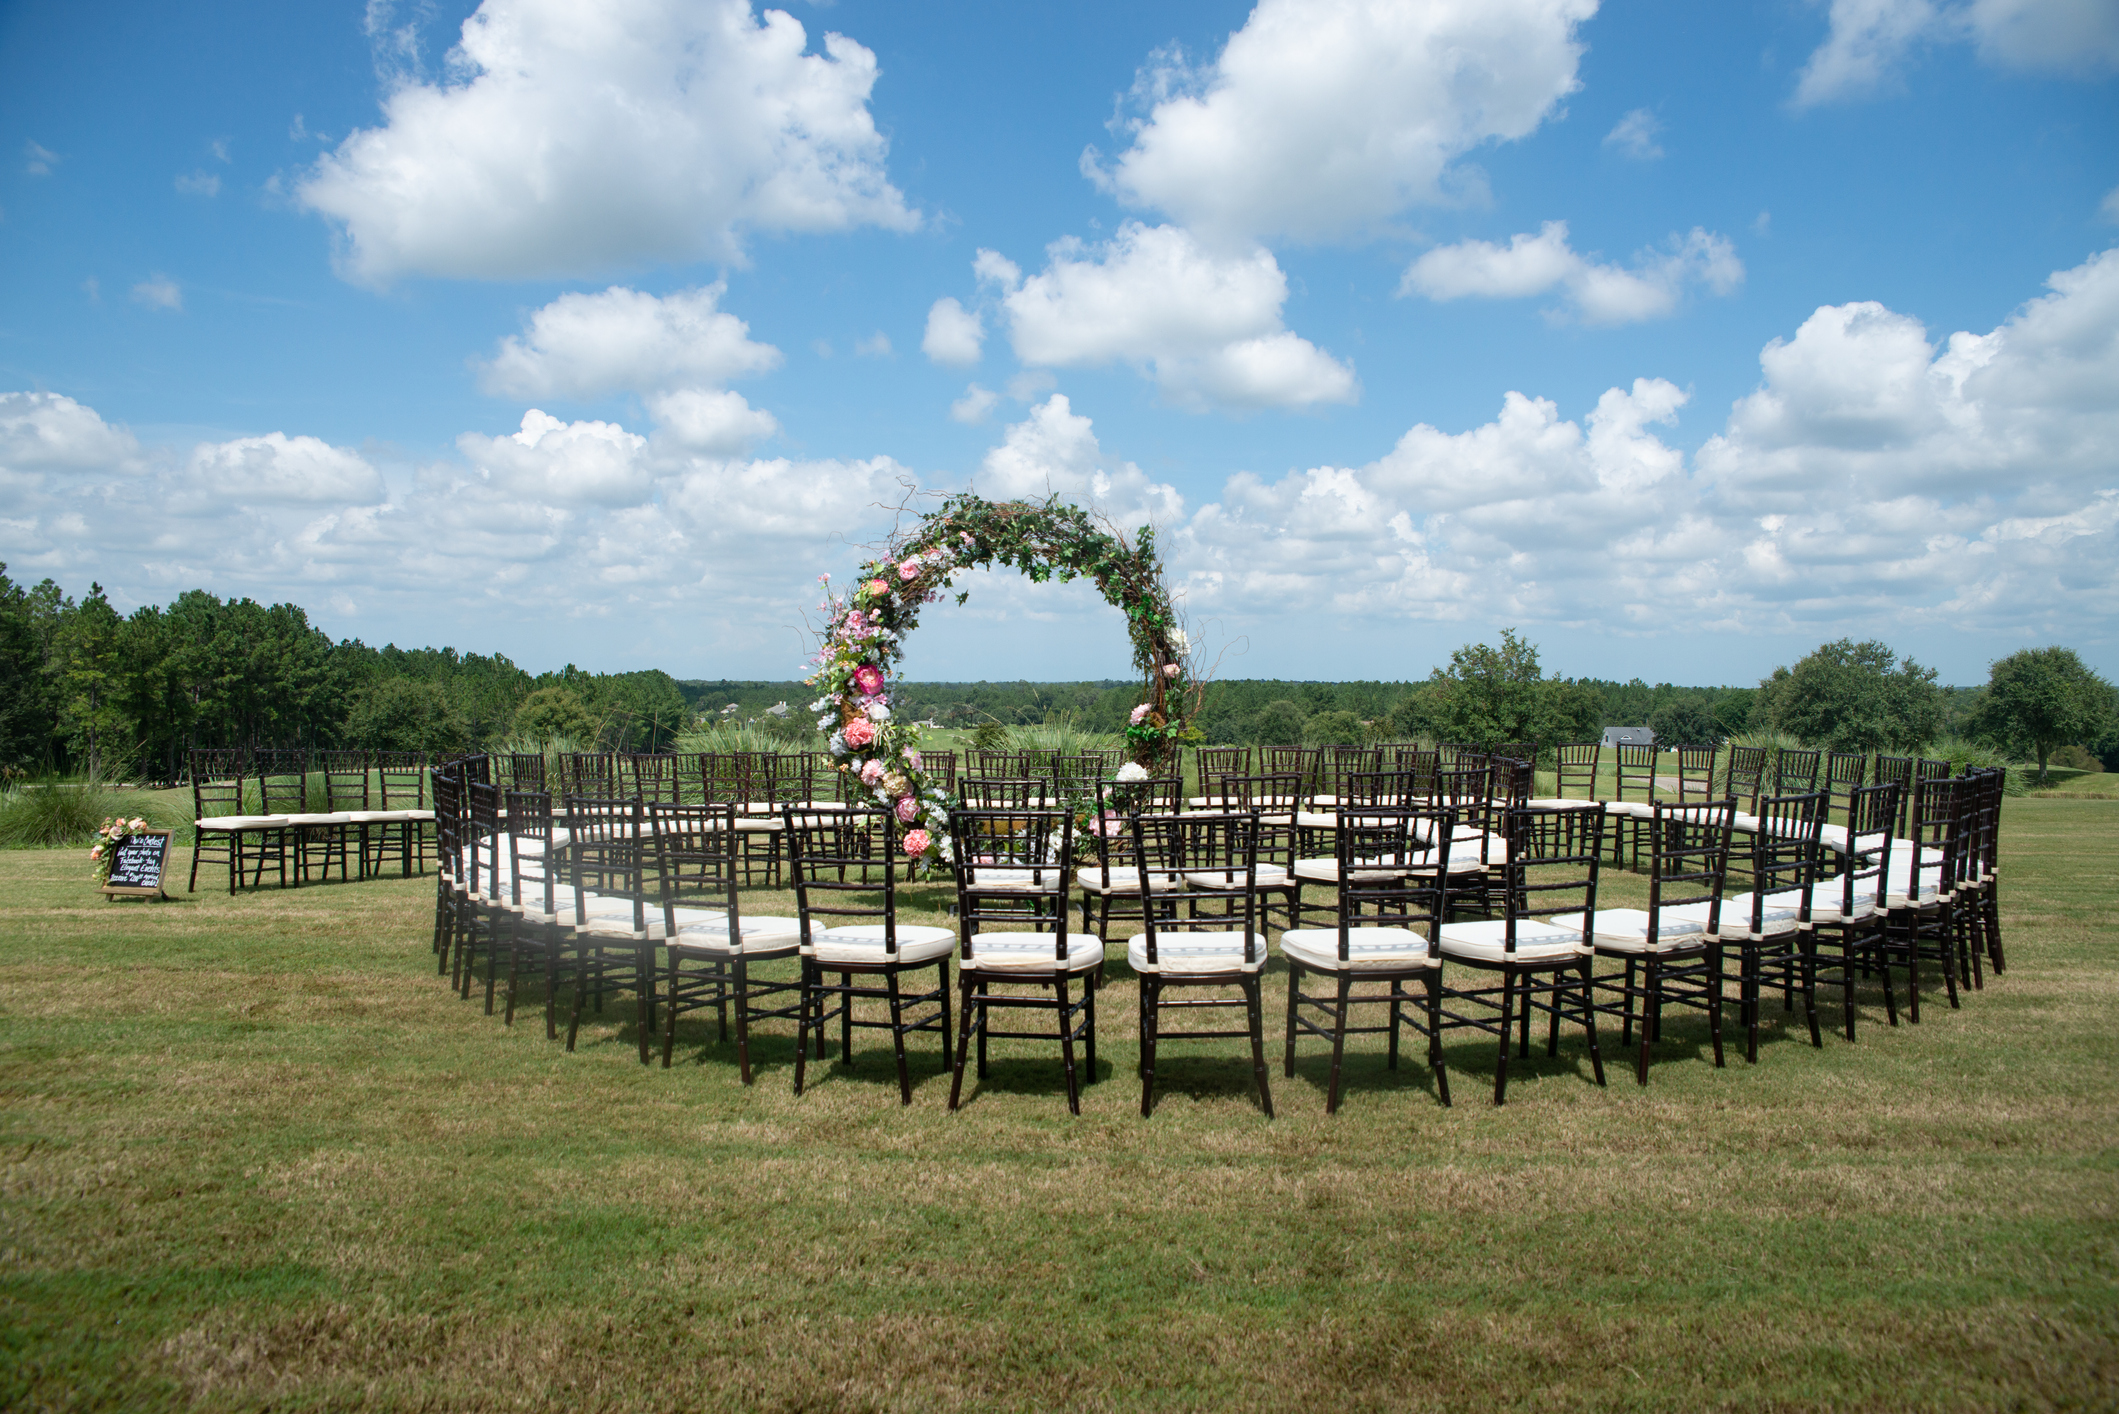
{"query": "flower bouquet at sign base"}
(108, 834)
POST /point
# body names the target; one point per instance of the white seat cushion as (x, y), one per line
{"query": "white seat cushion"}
(1368, 949)
(1632, 809)
(1032, 952)
(1486, 940)
(863, 943)
(1326, 871)
(1196, 953)
(1270, 876)
(1780, 915)
(985, 878)
(241, 822)
(1625, 930)
(318, 818)
(759, 936)
(1126, 880)
(1317, 819)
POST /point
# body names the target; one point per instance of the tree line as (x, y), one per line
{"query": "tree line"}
(85, 689)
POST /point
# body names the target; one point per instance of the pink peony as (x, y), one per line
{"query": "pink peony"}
(868, 679)
(908, 808)
(1140, 713)
(912, 759)
(1171, 670)
(910, 570)
(917, 842)
(860, 732)
(877, 588)
(871, 772)
(96, 852)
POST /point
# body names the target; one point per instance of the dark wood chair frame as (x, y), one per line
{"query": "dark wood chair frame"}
(608, 844)
(1783, 854)
(1845, 945)
(1688, 862)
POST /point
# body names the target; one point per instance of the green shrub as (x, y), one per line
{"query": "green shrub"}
(54, 813)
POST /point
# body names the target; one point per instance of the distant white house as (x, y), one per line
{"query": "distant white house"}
(1628, 736)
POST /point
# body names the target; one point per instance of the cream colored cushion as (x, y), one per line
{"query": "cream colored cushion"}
(1368, 949)
(1032, 952)
(759, 936)
(1193, 953)
(1486, 940)
(1625, 930)
(863, 943)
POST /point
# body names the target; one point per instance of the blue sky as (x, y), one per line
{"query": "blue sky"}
(1679, 337)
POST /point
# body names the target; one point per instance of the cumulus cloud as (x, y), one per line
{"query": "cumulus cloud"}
(974, 405)
(1868, 41)
(1875, 478)
(583, 346)
(711, 421)
(1205, 326)
(158, 291)
(1634, 136)
(954, 334)
(1054, 451)
(1322, 119)
(52, 432)
(566, 462)
(1600, 293)
(279, 468)
(576, 138)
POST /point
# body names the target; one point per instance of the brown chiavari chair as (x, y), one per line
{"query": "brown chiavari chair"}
(401, 796)
(941, 768)
(1297, 761)
(1014, 868)
(1633, 798)
(345, 776)
(449, 891)
(1539, 947)
(1422, 766)
(710, 943)
(283, 790)
(1796, 772)
(1179, 950)
(1002, 792)
(1669, 959)
(1575, 769)
(533, 896)
(1003, 763)
(1845, 773)
(1526, 751)
(1844, 926)
(1898, 771)
(221, 830)
(485, 922)
(1985, 903)
(1107, 879)
(1213, 762)
(590, 774)
(1696, 772)
(523, 770)
(1388, 864)
(1919, 924)
(615, 928)
(1276, 797)
(845, 881)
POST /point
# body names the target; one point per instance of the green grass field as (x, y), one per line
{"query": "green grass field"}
(256, 1155)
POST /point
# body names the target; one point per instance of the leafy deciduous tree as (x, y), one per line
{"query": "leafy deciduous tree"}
(2041, 698)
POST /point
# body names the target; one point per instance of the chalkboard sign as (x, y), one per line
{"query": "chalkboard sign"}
(138, 865)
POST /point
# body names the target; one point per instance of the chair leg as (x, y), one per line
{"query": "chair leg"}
(963, 1044)
(1714, 1001)
(669, 1021)
(897, 1036)
(846, 1019)
(1434, 1035)
(942, 972)
(1074, 1094)
(1150, 1000)
(1508, 1004)
(1589, 1018)
(742, 981)
(1809, 946)
(1331, 1100)
(1294, 995)
(802, 1026)
(1255, 1008)
(1651, 991)
(1090, 987)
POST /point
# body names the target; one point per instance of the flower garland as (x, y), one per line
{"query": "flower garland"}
(105, 849)
(864, 633)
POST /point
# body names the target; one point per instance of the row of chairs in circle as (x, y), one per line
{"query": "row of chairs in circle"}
(300, 812)
(1451, 905)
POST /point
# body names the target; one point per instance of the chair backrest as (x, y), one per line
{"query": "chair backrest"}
(606, 854)
(1423, 764)
(1576, 768)
(1898, 770)
(1796, 772)
(1552, 865)
(1696, 772)
(1210, 762)
(345, 779)
(1509, 780)
(1937, 820)
(1297, 761)
(283, 781)
(524, 770)
(1013, 868)
(1105, 834)
(1336, 763)
(1279, 791)
(843, 863)
(216, 783)
(481, 840)
(1384, 787)
(649, 776)
(533, 867)
(1782, 853)
(1747, 773)
(1518, 751)
(448, 825)
(698, 857)
(1463, 756)
(1688, 859)
(1845, 773)
(1001, 763)
(401, 781)
(1634, 777)
(1001, 792)
(940, 767)
(588, 773)
(1392, 864)
(1223, 843)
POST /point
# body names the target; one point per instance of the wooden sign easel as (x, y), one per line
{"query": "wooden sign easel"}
(139, 865)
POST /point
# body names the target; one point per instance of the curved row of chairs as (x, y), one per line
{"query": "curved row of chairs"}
(300, 811)
(1430, 903)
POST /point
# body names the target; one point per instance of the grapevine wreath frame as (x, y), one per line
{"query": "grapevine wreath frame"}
(865, 630)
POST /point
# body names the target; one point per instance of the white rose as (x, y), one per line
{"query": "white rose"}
(1133, 771)
(877, 712)
(1182, 644)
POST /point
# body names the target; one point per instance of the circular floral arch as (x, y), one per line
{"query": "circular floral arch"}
(866, 628)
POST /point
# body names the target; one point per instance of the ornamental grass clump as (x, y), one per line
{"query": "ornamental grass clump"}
(53, 814)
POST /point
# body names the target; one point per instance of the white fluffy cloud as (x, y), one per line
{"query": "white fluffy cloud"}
(279, 468)
(1324, 118)
(583, 346)
(709, 421)
(564, 462)
(1206, 326)
(1054, 451)
(1601, 293)
(954, 334)
(1868, 41)
(581, 137)
(1873, 479)
(52, 432)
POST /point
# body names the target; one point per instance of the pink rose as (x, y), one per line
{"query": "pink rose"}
(1140, 713)
(868, 679)
(1171, 670)
(917, 842)
(912, 759)
(871, 772)
(910, 570)
(860, 732)
(96, 853)
(908, 809)
(877, 588)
